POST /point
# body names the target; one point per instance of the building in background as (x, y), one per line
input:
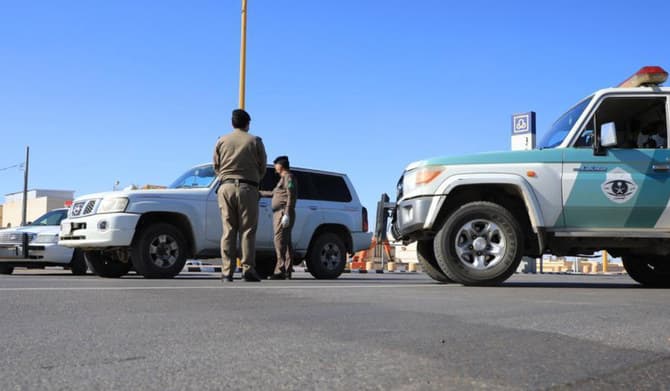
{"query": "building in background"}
(40, 201)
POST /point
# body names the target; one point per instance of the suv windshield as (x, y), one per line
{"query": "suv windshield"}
(560, 129)
(195, 178)
(51, 218)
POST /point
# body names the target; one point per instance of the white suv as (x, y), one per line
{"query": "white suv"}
(156, 231)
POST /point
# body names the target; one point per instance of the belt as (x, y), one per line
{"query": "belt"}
(238, 181)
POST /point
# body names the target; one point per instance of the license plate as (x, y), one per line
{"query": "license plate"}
(65, 228)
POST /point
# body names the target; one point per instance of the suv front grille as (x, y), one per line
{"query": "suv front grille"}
(82, 208)
(12, 237)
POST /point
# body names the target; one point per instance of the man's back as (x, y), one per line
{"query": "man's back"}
(240, 155)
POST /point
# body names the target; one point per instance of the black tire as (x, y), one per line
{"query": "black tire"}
(105, 264)
(327, 257)
(426, 255)
(78, 263)
(6, 269)
(159, 251)
(479, 262)
(650, 271)
(265, 265)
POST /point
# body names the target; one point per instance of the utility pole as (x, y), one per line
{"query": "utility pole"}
(24, 213)
(243, 55)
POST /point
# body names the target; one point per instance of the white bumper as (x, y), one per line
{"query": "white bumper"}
(361, 240)
(89, 232)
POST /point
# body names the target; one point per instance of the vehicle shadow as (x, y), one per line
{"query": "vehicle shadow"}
(571, 284)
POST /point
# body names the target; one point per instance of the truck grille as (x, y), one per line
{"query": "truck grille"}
(82, 208)
(12, 237)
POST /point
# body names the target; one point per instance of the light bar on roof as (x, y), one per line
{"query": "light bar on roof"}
(646, 76)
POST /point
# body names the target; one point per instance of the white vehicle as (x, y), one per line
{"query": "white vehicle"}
(156, 231)
(36, 246)
(600, 180)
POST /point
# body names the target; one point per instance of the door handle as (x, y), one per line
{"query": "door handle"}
(313, 207)
(661, 167)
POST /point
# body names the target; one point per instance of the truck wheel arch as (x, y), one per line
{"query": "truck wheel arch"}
(511, 193)
(340, 230)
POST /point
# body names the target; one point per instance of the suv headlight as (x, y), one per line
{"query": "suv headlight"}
(420, 176)
(113, 205)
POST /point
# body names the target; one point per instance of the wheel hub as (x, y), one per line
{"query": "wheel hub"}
(480, 244)
(330, 256)
(164, 251)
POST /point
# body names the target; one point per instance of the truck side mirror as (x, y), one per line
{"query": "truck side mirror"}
(608, 135)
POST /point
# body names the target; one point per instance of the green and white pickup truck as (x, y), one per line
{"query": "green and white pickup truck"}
(600, 180)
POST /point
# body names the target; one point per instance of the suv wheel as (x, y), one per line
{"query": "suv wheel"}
(651, 271)
(480, 244)
(105, 264)
(6, 269)
(159, 251)
(327, 257)
(426, 255)
(78, 263)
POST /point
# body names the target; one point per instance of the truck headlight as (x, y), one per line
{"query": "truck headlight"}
(420, 176)
(113, 205)
(45, 238)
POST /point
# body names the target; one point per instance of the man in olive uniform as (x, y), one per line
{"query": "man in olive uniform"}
(239, 163)
(284, 198)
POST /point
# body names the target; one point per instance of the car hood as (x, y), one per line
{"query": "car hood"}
(145, 194)
(506, 157)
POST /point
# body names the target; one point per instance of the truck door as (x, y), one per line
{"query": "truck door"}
(629, 186)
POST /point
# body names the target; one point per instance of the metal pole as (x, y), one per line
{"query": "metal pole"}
(24, 213)
(243, 55)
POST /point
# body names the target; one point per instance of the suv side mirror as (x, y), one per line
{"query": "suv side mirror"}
(608, 135)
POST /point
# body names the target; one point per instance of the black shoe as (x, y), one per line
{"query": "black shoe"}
(251, 276)
(278, 276)
(289, 274)
(225, 279)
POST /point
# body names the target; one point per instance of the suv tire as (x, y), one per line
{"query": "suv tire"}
(159, 251)
(327, 257)
(426, 255)
(651, 271)
(78, 263)
(481, 243)
(104, 264)
(6, 269)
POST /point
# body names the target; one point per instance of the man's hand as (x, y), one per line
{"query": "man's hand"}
(285, 221)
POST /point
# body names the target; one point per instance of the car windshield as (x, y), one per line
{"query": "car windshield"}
(560, 129)
(195, 178)
(51, 218)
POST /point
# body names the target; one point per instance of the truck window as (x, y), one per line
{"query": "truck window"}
(640, 122)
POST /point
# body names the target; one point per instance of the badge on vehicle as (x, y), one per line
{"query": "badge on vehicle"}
(619, 186)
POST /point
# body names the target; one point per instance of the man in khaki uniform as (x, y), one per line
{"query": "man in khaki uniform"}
(284, 198)
(239, 163)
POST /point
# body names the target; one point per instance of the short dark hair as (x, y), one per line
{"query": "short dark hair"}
(283, 161)
(240, 119)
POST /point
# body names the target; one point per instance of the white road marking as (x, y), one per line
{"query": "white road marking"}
(229, 286)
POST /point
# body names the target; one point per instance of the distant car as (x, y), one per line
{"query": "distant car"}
(43, 250)
(156, 231)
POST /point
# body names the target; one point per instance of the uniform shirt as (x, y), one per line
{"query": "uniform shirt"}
(240, 155)
(285, 194)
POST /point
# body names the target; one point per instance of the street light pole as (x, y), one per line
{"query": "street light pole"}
(243, 55)
(24, 213)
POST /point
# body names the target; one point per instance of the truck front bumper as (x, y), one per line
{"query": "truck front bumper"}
(99, 231)
(413, 217)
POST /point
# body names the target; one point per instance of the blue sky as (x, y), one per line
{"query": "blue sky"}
(140, 90)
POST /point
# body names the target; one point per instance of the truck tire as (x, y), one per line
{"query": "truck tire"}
(78, 263)
(6, 269)
(159, 251)
(426, 255)
(650, 271)
(265, 265)
(105, 264)
(327, 257)
(481, 243)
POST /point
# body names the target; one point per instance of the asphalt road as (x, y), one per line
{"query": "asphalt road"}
(392, 331)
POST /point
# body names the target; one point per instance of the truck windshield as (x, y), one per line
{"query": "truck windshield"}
(560, 129)
(195, 178)
(51, 218)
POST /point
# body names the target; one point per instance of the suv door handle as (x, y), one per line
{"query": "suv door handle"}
(313, 207)
(661, 167)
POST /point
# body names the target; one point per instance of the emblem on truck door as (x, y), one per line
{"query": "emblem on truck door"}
(619, 186)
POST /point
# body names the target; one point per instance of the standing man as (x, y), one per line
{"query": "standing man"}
(284, 197)
(239, 163)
